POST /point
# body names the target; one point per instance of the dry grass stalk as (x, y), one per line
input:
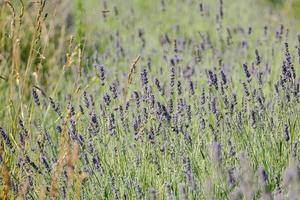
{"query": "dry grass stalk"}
(5, 181)
(61, 161)
(131, 70)
(23, 190)
(129, 77)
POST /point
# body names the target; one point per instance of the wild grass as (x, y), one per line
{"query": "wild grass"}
(148, 100)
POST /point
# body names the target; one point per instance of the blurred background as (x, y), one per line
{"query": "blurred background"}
(36, 34)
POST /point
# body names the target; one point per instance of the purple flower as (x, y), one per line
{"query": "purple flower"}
(182, 192)
(86, 99)
(179, 89)
(153, 194)
(113, 188)
(245, 67)
(157, 83)
(263, 175)
(35, 97)
(169, 192)
(58, 129)
(286, 133)
(111, 124)
(213, 107)
(100, 72)
(21, 123)
(223, 77)
(252, 118)
(113, 89)
(71, 109)
(137, 98)
(258, 58)
(5, 137)
(106, 99)
(247, 93)
(191, 87)
(45, 163)
(55, 106)
(213, 80)
(144, 77)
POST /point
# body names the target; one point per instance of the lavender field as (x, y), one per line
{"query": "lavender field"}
(158, 100)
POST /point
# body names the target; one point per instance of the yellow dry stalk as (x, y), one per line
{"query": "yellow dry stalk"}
(71, 57)
(77, 90)
(12, 37)
(74, 155)
(16, 41)
(36, 78)
(130, 75)
(42, 192)
(71, 159)
(21, 13)
(79, 62)
(78, 182)
(144, 125)
(5, 182)
(58, 166)
(131, 69)
(23, 190)
(15, 44)
(35, 39)
(10, 5)
(69, 62)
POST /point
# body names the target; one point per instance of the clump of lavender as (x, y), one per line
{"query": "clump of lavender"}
(216, 153)
(188, 173)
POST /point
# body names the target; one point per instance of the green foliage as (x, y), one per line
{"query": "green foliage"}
(276, 1)
(80, 22)
(296, 9)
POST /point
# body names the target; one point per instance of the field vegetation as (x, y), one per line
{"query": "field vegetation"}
(164, 99)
